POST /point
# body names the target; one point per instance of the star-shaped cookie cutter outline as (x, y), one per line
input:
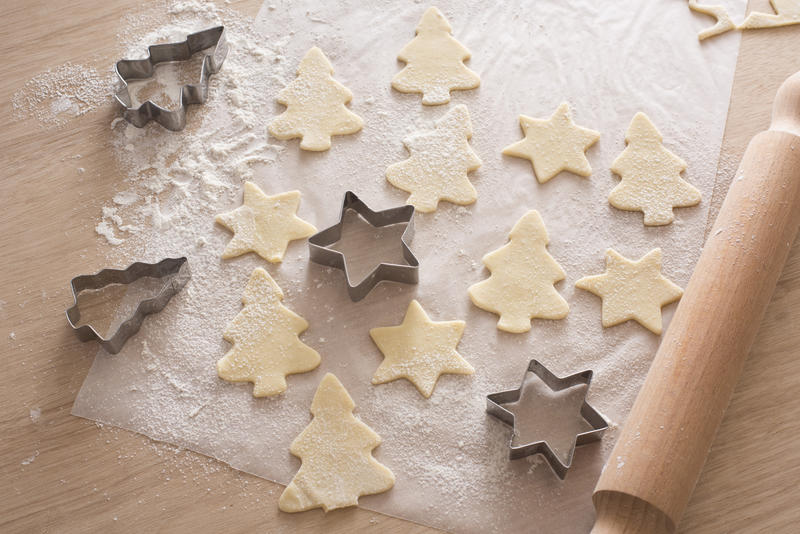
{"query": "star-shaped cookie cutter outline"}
(598, 423)
(178, 268)
(140, 69)
(320, 251)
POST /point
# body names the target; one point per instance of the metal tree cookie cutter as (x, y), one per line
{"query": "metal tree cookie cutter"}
(597, 422)
(140, 69)
(178, 268)
(319, 243)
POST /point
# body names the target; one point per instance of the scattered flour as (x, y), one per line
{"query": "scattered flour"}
(126, 198)
(223, 141)
(30, 459)
(61, 93)
(105, 229)
(35, 414)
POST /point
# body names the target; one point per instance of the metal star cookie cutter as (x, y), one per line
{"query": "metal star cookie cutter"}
(319, 243)
(598, 423)
(178, 268)
(140, 69)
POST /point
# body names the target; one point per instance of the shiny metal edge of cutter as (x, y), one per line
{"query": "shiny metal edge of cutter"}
(319, 243)
(140, 69)
(598, 423)
(178, 268)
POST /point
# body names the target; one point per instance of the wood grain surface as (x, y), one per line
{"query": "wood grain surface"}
(60, 473)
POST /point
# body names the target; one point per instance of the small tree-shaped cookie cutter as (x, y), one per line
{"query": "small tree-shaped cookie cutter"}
(141, 69)
(178, 268)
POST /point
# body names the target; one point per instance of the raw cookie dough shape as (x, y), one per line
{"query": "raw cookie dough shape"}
(315, 106)
(264, 224)
(554, 145)
(520, 287)
(632, 290)
(419, 350)
(336, 453)
(651, 176)
(264, 338)
(434, 62)
(787, 12)
(439, 163)
(723, 23)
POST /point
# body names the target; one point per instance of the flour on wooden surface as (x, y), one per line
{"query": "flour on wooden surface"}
(61, 93)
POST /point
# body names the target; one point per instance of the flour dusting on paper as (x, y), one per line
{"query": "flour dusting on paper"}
(608, 60)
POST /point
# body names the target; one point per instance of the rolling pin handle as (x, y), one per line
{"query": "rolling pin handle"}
(786, 108)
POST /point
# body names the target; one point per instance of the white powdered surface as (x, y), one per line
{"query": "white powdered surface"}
(62, 93)
(608, 59)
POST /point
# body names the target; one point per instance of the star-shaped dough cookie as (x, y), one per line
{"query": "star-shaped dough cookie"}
(554, 145)
(632, 290)
(264, 224)
(419, 350)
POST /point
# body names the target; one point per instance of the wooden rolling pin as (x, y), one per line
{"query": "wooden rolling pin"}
(657, 459)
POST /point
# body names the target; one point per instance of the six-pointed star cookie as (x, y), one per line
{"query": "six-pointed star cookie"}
(554, 145)
(632, 289)
(419, 350)
(264, 224)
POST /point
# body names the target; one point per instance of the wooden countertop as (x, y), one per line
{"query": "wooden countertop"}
(64, 474)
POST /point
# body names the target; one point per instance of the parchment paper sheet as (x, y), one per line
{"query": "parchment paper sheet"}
(609, 60)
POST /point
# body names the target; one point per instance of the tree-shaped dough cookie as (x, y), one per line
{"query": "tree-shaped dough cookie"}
(520, 287)
(434, 62)
(651, 176)
(264, 224)
(264, 338)
(336, 451)
(439, 163)
(315, 106)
